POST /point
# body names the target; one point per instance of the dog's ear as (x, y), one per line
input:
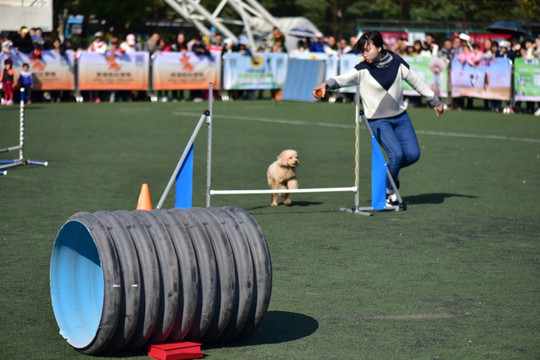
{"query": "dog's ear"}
(281, 160)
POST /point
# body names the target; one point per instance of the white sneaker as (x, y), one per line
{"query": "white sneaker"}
(391, 199)
(537, 112)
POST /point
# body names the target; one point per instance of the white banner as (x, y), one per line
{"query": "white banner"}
(51, 70)
(260, 71)
(347, 62)
(183, 71)
(113, 71)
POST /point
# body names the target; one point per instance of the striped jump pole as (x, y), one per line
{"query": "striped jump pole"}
(21, 160)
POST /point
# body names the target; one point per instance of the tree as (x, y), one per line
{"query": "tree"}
(331, 16)
(436, 10)
(120, 15)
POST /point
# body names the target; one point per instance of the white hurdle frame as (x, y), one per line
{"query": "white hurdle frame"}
(355, 189)
(20, 147)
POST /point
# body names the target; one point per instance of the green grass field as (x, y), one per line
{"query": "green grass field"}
(454, 276)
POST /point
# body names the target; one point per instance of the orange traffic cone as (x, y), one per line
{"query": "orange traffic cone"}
(144, 199)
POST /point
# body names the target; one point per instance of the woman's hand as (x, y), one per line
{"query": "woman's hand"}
(439, 109)
(320, 91)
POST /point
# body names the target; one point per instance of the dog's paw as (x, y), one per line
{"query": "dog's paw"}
(287, 201)
(273, 204)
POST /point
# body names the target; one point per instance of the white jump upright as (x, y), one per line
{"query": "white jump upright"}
(209, 146)
(21, 160)
(355, 208)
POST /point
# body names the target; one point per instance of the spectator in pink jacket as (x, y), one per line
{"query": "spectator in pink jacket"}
(475, 56)
(470, 56)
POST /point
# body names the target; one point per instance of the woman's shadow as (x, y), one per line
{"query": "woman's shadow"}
(433, 198)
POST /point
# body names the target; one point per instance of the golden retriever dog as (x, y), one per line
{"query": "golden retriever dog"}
(281, 174)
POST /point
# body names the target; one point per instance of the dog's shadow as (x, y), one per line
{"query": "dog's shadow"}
(304, 203)
(292, 205)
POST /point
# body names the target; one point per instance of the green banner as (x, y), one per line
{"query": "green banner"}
(527, 79)
(432, 70)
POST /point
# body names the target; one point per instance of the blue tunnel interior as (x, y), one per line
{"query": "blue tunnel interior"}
(77, 284)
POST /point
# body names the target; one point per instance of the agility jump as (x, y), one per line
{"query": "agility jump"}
(207, 117)
(21, 160)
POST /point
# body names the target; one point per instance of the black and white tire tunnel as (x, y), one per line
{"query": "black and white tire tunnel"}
(125, 279)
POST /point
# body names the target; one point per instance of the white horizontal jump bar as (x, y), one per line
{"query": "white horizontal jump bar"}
(282, 191)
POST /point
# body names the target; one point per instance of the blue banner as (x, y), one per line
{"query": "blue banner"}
(331, 61)
(302, 77)
(490, 79)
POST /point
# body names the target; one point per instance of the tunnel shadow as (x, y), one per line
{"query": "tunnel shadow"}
(278, 327)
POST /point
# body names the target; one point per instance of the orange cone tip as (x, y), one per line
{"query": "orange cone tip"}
(144, 202)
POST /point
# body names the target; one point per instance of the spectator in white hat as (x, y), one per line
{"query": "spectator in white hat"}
(98, 45)
(6, 46)
(130, 44)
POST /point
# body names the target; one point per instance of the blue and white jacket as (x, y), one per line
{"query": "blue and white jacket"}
(26, 78)
(381, 87)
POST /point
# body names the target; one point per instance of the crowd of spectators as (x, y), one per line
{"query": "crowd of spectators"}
(34, 40)
(468, 52)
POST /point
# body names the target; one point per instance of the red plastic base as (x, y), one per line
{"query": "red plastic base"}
(176, 351)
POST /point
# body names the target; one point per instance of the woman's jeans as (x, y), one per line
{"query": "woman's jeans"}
(397, 137)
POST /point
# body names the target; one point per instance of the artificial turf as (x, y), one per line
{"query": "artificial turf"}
(454, 276)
